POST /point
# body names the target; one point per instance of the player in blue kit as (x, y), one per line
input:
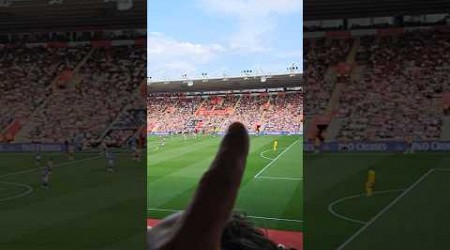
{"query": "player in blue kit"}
(37, 158)
(111, 160)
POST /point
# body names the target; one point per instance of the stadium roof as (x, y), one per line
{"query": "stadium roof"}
(338, 9)
(224, 84)
(40, 15)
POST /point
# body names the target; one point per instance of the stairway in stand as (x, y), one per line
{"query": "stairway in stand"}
(29, 123)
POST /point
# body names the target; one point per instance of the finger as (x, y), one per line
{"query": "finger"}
(161, 235)
(215, 196)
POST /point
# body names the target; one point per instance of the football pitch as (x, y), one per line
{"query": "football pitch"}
(409, 208)
(271, 189)
(84, 208)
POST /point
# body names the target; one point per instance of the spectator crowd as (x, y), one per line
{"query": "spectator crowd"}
(60, 93)
(399, 93)
(106, 84)
(273, 112)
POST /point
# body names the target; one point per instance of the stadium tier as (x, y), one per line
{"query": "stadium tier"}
(321, 55)
(58, 91)
(378, 85)
(270, 112)
(27, 74)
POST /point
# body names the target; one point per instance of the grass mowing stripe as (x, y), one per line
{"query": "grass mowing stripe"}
(83, 200)
(174, 171)
(332, 176)
(389, 206)
(47, 212)
(276, 158)
(442, 169)
(41, 168)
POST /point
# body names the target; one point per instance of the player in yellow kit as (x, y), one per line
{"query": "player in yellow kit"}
(370, 182)
(71, 151)
(275, 145)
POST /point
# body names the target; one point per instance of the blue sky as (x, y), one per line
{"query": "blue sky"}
(223, 36)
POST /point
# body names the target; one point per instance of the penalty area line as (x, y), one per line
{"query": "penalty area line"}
(275, 159)
(262, 154)
(384, 210)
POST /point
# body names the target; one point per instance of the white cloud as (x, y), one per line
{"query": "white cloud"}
(168, 56)
(254, 23)
(290, 54)
(256, 20)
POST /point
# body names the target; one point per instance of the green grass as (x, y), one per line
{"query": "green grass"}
(272, 200)
(85, 208)
(409, 209)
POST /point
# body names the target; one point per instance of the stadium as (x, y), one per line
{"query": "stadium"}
(185, 122)
(73, 78)
(376, 101)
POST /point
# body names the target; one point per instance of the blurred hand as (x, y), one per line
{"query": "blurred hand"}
(200, 226)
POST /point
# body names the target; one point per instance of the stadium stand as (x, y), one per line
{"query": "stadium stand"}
(27, 74)
(321, 56)
(274, 111)
(390, 63)
(395, 88)
(56, 90)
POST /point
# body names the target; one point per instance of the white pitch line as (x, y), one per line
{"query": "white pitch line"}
(249, 216)
(275, 178)
(280, 178)
(262, 155)
(41, 168)
(265, 157)
(163, 210)
(351, 197)
(28, 191)
(275, 219)
(275, 159)
(384, 210)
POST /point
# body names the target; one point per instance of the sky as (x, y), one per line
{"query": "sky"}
(223, 37)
